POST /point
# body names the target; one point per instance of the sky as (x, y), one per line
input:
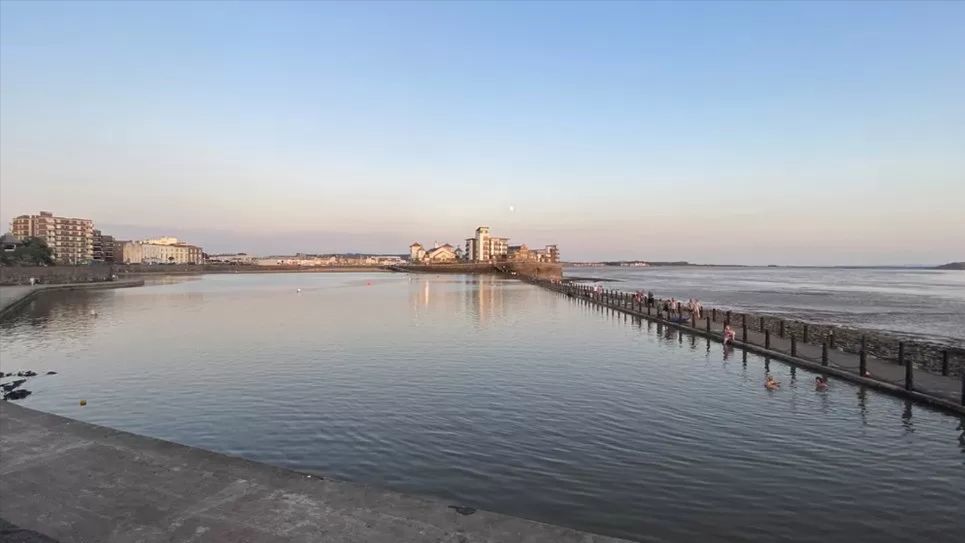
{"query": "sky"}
(816, 133)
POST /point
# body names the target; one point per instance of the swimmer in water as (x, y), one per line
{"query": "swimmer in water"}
(820, 383)
(728, 335)
(771, 384)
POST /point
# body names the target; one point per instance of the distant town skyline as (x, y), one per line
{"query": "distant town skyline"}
(731, 133)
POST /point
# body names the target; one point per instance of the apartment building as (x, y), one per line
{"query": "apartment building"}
(70, 239)
(485, 247)
(103, 247)
(158, 251)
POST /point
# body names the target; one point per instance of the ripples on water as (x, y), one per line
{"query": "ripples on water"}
(908, 302)
(499, 395)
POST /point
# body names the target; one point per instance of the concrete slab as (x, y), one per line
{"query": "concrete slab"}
(76, 482)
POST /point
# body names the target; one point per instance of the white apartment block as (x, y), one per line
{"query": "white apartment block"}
(485, 247)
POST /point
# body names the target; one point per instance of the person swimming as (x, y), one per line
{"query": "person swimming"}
(728, 335)
(771, 384)
(820, 383)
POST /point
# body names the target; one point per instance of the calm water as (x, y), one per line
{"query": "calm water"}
(500, 395)
(907, 302)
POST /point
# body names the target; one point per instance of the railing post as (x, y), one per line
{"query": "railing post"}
(728, 317)
(714, 313)
(744, 331)
(831, 338)
(963, 385)
(781, 333)
(805, 333)
(863, 366)
(762, 325)
(909, 368)
(824, 353)
(708, 324)
(767, 339)
(693, 320)
(945, 362)
(793, 345)
(649, 310)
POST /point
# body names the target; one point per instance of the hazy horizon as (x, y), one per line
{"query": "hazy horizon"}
(717, 133)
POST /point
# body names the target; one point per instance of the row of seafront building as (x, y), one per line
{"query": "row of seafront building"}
(75, 241)
(482, 247)
(305, 260)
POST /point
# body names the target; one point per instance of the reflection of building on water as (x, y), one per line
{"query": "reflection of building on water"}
(484, 294)
(480, 297)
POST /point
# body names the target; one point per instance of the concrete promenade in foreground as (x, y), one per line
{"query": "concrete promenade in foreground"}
(77, 482)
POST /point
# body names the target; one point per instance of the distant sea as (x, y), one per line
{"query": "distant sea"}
(904, 301)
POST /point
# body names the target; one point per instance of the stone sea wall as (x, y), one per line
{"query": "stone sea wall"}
(539, 270)
(54, 275)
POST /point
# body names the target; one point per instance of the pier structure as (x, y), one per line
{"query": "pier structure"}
(798, 345)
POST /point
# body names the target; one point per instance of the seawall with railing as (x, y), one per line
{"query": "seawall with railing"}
(822, 348)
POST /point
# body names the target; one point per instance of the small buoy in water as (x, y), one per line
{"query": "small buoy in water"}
(83, 403)
(93, 313)
(298, 290)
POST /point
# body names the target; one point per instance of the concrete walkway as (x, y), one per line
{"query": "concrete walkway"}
(942, 391)
(76, 482)
(13, 295)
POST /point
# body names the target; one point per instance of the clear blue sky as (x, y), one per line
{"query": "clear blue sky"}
(761, 132)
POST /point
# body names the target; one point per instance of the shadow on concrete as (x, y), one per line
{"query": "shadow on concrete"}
(10, 533)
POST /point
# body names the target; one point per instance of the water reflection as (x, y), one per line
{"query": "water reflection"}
(863, 404)
(41, 310)
(906, 420)
(500, 395)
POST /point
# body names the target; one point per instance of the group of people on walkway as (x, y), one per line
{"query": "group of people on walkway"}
(695, 308)
(673, 305)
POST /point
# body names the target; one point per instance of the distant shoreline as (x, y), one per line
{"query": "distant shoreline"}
(629, 265)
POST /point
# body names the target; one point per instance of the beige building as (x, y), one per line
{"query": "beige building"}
(164, 240)
(441, 254)
(128, 252)
(170, 254)
(522, 253)
(70, 239)
(158, 251)
(416, 252)
(437, 255)
(550, 253)
(484, 247)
